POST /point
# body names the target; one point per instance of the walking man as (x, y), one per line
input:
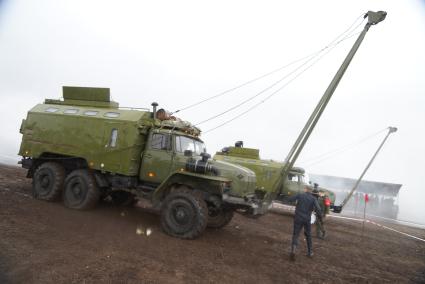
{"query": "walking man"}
(305, 204)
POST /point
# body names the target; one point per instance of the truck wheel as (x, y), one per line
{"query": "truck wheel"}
(184, 214)
(81, 191)
(218, 216)
(218, 220)
(48, 180)
(123, 198)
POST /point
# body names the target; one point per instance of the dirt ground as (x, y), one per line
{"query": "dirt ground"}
(42, 242)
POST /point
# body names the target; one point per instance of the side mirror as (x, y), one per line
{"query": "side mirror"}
(188, 153)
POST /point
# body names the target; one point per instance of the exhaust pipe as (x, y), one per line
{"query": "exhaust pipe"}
(154, 105)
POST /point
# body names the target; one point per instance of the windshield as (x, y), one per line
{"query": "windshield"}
(184, 143)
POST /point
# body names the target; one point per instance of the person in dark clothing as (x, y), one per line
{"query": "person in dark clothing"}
(305, 204)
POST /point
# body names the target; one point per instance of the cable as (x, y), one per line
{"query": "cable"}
(271, 86)
(362, 16)
(275, 92)
(346, 147)
(331, 46)
(318, 59)
(256, 95)
(262, 101)
(269, 73)
(330, 154)
(244, 84)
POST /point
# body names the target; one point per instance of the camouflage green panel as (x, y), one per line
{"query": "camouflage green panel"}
(107, 138)
(85, 96)
(243, 179)
(266, 172)
(248, 153)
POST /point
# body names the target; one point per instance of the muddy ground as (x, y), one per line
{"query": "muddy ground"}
(42, 242)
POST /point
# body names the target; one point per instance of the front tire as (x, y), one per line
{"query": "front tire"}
(184, 214)
(48, 180)
(81, 191)
(218, 215)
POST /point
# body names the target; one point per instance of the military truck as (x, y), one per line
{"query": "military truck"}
(84, 148)
(267, 171)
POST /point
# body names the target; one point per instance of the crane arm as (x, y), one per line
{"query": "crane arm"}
(338, 209)
(373, 19)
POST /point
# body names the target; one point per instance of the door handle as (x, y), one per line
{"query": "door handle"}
(148, 156)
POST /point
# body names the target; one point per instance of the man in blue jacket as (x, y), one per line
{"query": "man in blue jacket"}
(305, 204)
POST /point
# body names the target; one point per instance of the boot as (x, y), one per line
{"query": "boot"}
(309, 248)
(310, 253)
(292, 254)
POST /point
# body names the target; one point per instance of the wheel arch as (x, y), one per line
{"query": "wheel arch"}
(206, 184)
(70, 163)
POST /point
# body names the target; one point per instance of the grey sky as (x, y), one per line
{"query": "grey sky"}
(178, 52)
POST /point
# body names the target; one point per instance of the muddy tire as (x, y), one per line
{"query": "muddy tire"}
(81, 191)
(123, 198)
(184, 214)
(218, 215)
(219, 219)
(48, 180)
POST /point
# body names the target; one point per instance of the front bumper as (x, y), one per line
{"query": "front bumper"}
(250, 204)
(26, 163)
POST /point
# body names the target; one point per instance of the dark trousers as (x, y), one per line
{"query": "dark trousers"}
(298, 225)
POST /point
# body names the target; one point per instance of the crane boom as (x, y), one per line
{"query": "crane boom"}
(373, 19)
(338, 209)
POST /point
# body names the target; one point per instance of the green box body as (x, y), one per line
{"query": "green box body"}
(81, 135)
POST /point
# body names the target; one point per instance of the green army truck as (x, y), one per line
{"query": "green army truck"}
(85, 148)
(268, 171)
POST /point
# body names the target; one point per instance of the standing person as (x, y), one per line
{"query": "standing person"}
(320, 226)
(306, 203)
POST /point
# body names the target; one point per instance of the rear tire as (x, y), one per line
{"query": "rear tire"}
(81, 191)
(48, 180)
(184, 214)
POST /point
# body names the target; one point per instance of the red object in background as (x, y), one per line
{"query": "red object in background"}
(366, 197)
(327, 202)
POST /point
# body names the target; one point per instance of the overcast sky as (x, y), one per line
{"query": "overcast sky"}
(179, 52)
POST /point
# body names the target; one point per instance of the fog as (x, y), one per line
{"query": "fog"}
(179, 52)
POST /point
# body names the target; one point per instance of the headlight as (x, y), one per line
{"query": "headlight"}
(227, 186)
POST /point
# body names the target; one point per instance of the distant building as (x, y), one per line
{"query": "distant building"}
(383, 197)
